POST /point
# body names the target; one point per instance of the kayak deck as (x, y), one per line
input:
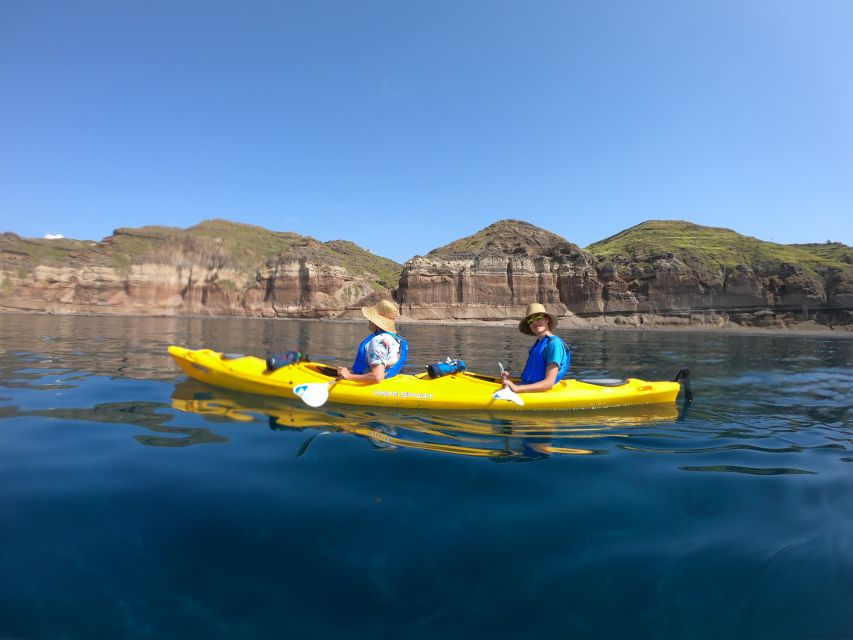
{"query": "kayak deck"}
(464, 390)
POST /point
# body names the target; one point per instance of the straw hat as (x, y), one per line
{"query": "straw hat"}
(383, 314)
(533, 309)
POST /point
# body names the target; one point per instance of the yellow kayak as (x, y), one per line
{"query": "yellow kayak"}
(460, 391)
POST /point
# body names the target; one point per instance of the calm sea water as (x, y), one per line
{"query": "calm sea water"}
(137, 504)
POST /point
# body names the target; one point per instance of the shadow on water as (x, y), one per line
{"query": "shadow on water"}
(137, 414)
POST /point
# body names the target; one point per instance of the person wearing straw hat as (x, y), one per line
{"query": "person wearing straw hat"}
(549, 357)
(381, 354)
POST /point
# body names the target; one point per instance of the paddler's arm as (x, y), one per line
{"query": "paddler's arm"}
(376, 374)
(547, 383)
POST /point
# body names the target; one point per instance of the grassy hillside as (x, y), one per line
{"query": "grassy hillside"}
(829, 251)
(365, 263)
(30, 252)
(248, 246)
(713, 246)
(244, 246)
(508, 237)
(126, 246)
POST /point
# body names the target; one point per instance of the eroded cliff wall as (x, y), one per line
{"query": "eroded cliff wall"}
(175, 272)
(503, 273)
(656, 273)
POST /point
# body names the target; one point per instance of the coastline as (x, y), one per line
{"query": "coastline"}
(567, 324)
(809, 328)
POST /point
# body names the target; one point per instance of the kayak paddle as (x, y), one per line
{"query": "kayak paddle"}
(314, 394)
(505, 393)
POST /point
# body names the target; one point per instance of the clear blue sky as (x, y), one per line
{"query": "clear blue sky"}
(404, 125)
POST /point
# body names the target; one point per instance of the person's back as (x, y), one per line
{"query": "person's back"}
(383, 353)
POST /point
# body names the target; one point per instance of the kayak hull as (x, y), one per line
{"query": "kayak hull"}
(460, 391)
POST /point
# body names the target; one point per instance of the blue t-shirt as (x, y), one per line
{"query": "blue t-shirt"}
(556, 351)
(541, 355)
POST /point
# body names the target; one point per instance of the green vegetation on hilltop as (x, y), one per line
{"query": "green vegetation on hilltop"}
(829, 251)
(128, 245)
(243, 246)
(248, 245)
(365, 263)
(117, 250)
(53, 252)
(712, 246)
(32, 252)
(508, 237)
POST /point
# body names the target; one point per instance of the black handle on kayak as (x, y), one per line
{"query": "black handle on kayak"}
(283, 359)
(683, 377)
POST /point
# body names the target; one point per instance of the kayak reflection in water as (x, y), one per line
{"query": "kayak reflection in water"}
(549, 357)
(496, 435)
(381, 354)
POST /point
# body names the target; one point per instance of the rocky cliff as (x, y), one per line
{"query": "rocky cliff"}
(659, 272)
(214, 268)
(654, 273)
(492, 275)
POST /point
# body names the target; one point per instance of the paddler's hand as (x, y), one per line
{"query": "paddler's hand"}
(509, 384)
(344, 373)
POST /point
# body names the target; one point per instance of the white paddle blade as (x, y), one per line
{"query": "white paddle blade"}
(314, 394)
(505, 393)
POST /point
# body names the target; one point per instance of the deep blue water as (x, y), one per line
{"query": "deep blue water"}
(137, 504)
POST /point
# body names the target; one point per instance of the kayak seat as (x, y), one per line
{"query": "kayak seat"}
(605, 382)
(327, 371)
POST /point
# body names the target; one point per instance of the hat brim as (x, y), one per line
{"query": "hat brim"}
(384, 323)
(525, 328)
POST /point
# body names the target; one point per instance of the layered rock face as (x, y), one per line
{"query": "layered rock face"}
(666, 285)
(655, 273)
(498, 271)
(495, 273)
(207, 270)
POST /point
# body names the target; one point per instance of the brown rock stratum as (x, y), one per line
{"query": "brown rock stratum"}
(223, 268)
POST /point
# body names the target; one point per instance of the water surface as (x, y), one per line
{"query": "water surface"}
(139, 504)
